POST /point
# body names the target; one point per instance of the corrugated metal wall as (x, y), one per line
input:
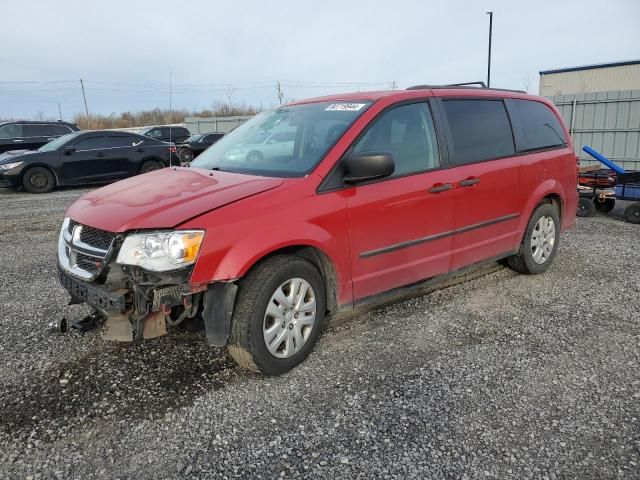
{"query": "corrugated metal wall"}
(214, 124)
(609, 122)
(624, 77)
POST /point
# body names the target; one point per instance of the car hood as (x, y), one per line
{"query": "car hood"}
(164, 198)
(13, 155)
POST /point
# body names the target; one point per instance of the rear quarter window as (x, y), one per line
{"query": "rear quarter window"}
(479, 129)
(535, 126)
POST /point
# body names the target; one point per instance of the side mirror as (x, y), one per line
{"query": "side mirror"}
(360, 167)
(68, 150)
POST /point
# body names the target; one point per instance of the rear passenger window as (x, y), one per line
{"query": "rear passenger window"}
(408, 134)
(34, 130)
(122, 141)
(480, 130)
(535, 125)
(59, 130)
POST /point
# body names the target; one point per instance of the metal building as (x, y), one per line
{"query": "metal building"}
(602, 77)
(601, 106)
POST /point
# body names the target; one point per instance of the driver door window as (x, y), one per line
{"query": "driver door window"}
(91, 143)
(407, 133)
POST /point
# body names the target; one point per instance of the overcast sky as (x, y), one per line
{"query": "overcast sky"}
(124, 50)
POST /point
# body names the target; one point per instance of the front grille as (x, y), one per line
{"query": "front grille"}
(83, 250)
(96, 238)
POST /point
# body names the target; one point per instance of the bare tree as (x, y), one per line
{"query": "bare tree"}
(229, 94)
(526, 82)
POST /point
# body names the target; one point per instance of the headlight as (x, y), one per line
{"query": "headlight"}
(161, 251)
(9, 166)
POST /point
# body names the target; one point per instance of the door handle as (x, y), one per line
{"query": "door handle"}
(469, 182)
(100, 155)
(440, 187)
(140, 150)
(17, 141)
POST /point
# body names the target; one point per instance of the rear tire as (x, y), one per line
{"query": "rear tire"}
(38, 180)
(294, 327)
(632, 213)
(606, 205)
(186, 155)
(540, 242)
(150, 166)
(586, 207)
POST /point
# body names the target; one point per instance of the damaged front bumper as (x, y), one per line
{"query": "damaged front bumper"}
(139, 304)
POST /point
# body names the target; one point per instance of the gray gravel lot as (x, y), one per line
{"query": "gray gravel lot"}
(502, 376)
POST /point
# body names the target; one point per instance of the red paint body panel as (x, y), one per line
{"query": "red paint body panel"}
(164, 198)
(247, 217)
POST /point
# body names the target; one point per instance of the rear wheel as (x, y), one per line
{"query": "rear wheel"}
(605, 205)
(186, 155)
(38, 180)
(632, 213)
(279, 313)
(150, 166)
(586, 207)
(540, 242)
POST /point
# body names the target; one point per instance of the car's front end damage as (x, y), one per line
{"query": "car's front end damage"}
(138, 282)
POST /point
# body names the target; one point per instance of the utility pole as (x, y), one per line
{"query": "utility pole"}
(489, 59)
(394, 85)
(84, 97)
(59, 111)
(280, 93)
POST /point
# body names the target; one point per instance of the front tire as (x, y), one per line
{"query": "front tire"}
(279, 314)
(38, 180)
(586, 207)
(540, 242)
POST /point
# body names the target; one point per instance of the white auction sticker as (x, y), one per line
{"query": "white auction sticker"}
(346, 107)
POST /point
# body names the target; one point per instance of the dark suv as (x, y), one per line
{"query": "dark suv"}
(31, 135)
(162, 133)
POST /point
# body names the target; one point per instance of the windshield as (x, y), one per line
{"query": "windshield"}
(285, 142)
(57, 143)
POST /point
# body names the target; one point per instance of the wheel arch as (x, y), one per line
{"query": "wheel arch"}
(317, 257)
(42, 165)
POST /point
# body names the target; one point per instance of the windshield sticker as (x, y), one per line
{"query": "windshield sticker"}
(345, 107)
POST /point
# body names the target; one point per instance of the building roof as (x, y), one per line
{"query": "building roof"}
(590, 67)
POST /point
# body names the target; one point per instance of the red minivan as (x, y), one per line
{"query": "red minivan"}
(314, 208)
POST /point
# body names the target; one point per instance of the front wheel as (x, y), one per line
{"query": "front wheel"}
(586, 207)
(279, 313)
(38, 180)
(540, 242)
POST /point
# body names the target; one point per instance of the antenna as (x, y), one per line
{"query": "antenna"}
(170, 115)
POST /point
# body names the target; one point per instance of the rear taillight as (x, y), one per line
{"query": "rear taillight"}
(173, 149)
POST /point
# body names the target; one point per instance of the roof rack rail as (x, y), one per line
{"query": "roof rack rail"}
(464, 85)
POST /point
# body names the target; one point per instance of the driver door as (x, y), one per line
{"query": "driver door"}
(88, 163)
(401, 226)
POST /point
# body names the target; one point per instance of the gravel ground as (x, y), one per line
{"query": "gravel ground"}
(502, 376)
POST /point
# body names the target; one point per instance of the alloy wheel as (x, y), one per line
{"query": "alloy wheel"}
(289, 318)
(543, 239)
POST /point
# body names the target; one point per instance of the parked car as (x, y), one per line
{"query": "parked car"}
(82, 158)
(381, 192)
(196, 144)
(263, 145)
(31, 135)
(167, 134)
